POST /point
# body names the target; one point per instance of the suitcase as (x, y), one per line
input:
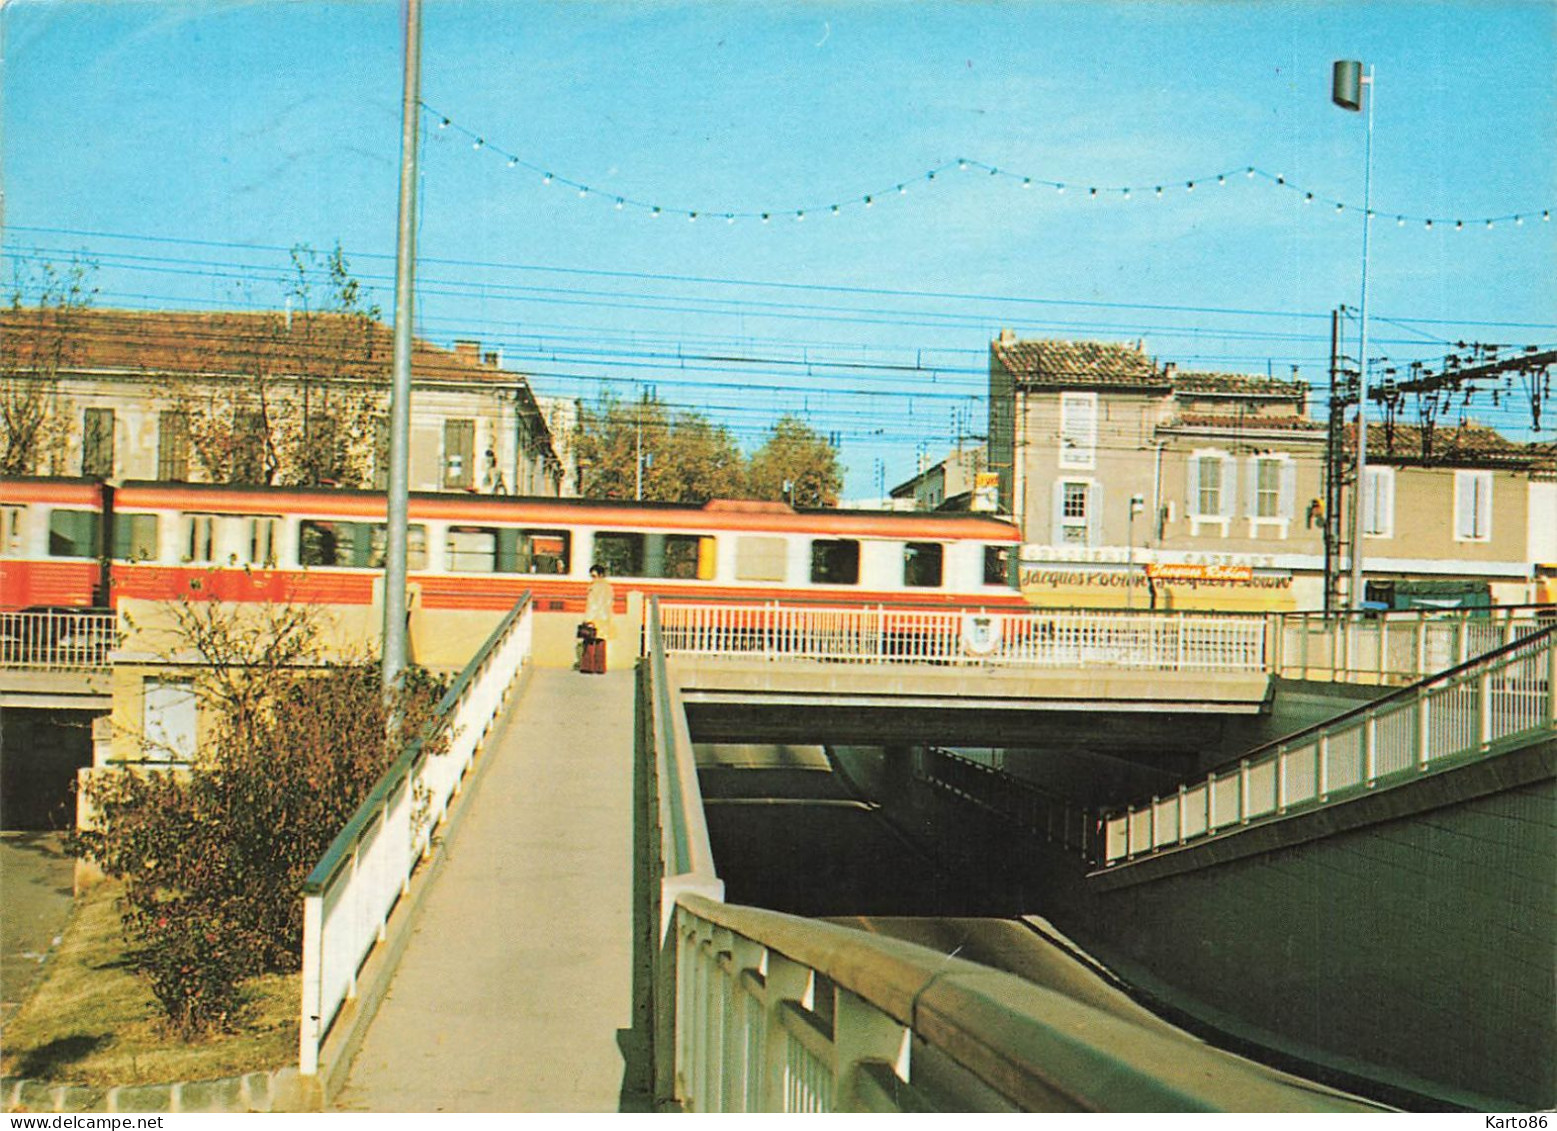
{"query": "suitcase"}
(593, 661)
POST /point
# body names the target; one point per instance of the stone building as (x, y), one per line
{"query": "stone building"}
(264, 397)
(1139, 484)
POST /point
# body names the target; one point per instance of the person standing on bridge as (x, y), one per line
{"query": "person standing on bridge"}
(597, 626)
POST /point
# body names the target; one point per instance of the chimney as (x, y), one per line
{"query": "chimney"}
(467, 349)
(1169, 368)
(1007, 337)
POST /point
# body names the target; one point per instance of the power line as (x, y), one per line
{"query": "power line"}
(827, 288)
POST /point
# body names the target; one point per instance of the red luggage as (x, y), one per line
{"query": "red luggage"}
(593, 661)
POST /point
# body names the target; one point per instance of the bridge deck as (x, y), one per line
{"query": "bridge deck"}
(518, 979)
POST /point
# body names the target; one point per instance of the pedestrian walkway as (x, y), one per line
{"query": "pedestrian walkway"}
(36, 878)
(518, 978)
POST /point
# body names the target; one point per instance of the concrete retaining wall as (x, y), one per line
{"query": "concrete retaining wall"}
(1424, 946)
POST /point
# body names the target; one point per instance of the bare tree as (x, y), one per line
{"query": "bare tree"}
(289, 397)
(39, 341)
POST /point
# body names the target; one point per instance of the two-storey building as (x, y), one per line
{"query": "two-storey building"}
(264, 397)
(1137, 484)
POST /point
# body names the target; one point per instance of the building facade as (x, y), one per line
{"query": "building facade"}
(1139, 485)
(946, 485)
(261, 397)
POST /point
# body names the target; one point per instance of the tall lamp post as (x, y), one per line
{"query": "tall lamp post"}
(1346, 91)
(394, 659)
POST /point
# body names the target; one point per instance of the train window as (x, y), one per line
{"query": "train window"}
(261, 542)
(759, 558)
(415, 546)
(997, 565)
(135, 537)
(922, 564)
(620, 552)
(471, 549)
(685, 557)
(11, 531)
(835, 561)
(73, 534)
(327, 543)
(532, 551)
(199, 537)
(359, 545)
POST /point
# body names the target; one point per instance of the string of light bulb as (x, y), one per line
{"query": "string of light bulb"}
(443, 123)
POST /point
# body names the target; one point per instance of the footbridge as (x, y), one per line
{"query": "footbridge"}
(546, 918)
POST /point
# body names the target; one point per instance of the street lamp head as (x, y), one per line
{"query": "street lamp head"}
(1346, 84)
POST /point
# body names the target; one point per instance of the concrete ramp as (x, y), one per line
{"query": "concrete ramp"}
(518, 978)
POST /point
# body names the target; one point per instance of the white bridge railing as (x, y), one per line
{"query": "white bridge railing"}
(1396, 647)
(758, 1011)
(348, 897)
(1498, 702)
(1040, 638)
(780, 1014)
(58, 639)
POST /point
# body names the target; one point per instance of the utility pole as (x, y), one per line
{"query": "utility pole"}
(1346, 91)
(1335, 467)
(643, 400)
(394, 658)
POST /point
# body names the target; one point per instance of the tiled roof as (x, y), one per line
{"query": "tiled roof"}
(1237, 384)
(238, 343)
(1078, 364)
(1468, 443)
(1250, 423)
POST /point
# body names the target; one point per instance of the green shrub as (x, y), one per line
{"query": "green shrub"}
(214, 855)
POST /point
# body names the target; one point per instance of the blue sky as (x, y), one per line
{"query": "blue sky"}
(179, 146)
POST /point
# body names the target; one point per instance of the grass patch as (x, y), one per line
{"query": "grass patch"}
(91, 1020)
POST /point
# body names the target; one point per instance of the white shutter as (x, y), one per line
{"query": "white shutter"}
(1251, 486)
(1386, 501)
(1057, 514)
(1464, 505)
(1192, 479)
(1287, 506)
(1094, 514)
(1229, 485)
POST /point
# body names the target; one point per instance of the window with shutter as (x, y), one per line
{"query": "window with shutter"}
(1072, 526)
(1472, 506)
(1078, 430)
(459, 450)
(97, 443)
(1378, 505)
(1270, 493)
(173, 447)
(1211, 496)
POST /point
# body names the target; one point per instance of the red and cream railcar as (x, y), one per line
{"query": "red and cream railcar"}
(80, 543)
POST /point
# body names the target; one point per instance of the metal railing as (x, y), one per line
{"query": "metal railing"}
(779, 1013)
(1022, 803)
(1500, 701)
(351, 892)
(756, 1010)
(1395, 647)
(1040, 638)
(678, 837)
(58, 639)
